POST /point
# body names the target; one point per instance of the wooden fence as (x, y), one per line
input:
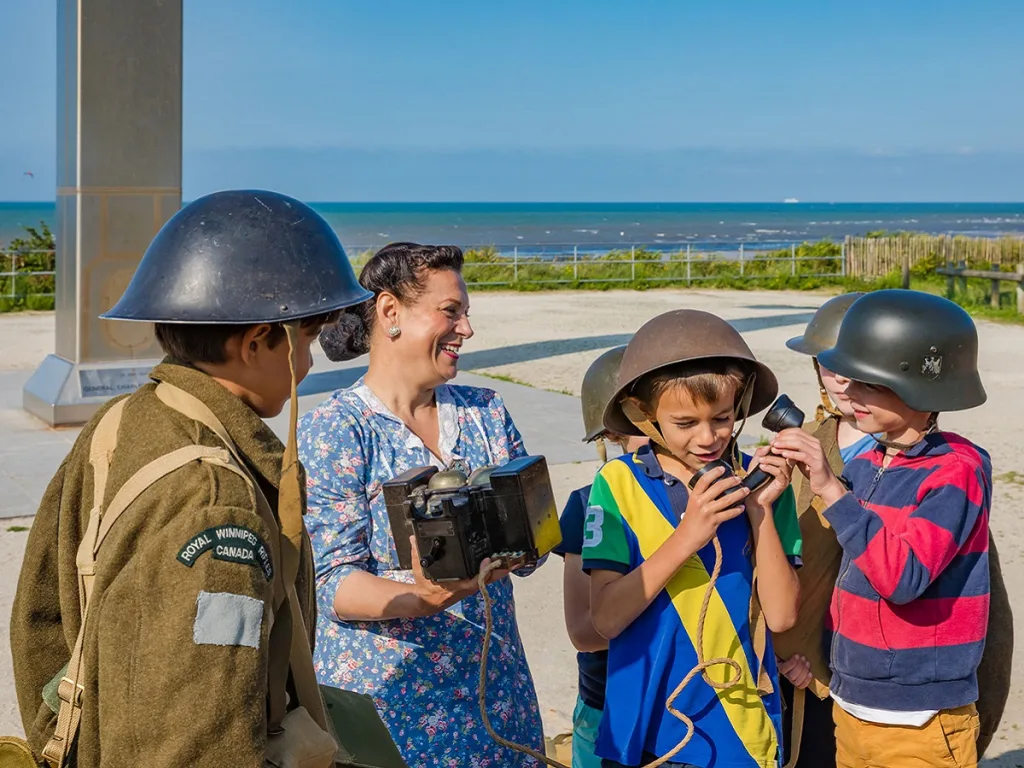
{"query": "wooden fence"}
(877, 256)
(960, 274)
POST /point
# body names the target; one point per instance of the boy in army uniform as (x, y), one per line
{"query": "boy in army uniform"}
(185, 639)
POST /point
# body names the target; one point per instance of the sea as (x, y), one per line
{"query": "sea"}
(559, 227)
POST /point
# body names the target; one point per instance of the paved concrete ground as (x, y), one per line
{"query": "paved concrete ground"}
(546, 340)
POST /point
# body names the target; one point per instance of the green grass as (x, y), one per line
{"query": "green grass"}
(30, 254)
(16, 528)
(816, 267)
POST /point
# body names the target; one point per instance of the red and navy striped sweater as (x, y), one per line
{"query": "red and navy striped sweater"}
(910, 608)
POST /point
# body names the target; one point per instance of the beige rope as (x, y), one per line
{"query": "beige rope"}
(701, 667)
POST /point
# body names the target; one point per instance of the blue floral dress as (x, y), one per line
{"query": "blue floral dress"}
(421, 672)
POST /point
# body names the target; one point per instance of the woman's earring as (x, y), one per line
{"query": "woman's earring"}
(393, 331)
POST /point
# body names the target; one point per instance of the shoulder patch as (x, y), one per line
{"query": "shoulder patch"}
(231, 543)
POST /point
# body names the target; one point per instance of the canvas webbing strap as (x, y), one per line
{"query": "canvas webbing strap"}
(101, 450)
(759, 638)
(796, 730)
(70, 690)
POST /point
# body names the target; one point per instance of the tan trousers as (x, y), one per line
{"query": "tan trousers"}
(948, 740)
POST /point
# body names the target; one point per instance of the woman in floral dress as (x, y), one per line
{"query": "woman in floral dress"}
(412, 644)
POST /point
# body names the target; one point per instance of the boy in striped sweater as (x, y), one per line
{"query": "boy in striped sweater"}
(910, 607)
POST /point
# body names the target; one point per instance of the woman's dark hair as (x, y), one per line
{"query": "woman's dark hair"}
(400, 269)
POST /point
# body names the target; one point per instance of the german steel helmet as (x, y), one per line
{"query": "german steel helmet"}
(821, 333)
(680, 336)
(241, 257)
(921, 346)
(599, 385)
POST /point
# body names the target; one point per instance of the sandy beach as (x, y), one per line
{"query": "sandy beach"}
(546, 341)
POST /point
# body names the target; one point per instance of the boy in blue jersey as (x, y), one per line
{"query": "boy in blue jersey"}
(599, 384)
(649, 546)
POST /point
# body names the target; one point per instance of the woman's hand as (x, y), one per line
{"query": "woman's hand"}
(439, 596)
(797, 670)
(712, 502)
(805, 451)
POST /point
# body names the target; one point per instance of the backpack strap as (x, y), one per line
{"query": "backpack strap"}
(70, 691)
(101, 450)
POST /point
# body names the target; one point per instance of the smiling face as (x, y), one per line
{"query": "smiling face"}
(836, 387)
(432, 326)
(879, 409)
(696, 430)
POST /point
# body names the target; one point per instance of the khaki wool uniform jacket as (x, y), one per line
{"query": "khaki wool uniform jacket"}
(176, 642)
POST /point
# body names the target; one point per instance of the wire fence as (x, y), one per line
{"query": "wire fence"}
(568, 265)
(27, 279)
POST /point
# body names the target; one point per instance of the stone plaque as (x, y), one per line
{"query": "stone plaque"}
(111, 382)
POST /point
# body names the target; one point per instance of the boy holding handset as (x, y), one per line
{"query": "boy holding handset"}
(910, 608)
(650, 548)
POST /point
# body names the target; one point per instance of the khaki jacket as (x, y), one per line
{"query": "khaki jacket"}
(176, 643)
(821, 557)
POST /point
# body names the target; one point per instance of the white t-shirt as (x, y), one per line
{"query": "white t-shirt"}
(886, 716)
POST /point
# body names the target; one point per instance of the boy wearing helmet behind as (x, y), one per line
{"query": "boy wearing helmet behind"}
(910, 609)
(599, 383)
(164, 611)
(808, 722)
(673, 570)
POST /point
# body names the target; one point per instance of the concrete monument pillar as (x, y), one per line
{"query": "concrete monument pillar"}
(118, 181)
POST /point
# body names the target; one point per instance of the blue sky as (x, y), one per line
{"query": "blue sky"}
(571, 100)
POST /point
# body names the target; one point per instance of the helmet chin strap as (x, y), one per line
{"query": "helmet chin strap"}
(740, 412)
(933, 424)
(633, 411)
(290, 498)
(631, 408)
(827, 406)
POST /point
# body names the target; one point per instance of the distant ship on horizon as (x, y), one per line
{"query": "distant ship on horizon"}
(791, 200)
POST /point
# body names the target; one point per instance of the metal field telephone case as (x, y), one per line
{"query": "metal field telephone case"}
(459, 521)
